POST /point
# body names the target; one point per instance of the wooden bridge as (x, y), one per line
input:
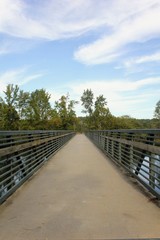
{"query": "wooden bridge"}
(78, 194)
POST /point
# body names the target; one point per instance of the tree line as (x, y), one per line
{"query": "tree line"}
(99, 116)
(20, 110)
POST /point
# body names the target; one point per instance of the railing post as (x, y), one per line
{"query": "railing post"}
(150, 139)
(112, 145)
(119, 148)
(106, 145)
(151, 171)
(130, 138)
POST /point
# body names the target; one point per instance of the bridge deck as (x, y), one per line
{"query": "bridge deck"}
(78, 194)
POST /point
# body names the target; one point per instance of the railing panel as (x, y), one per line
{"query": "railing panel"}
(24, 152)
(138, 151)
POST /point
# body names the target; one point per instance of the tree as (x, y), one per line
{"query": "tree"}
(39, 105)
(23, 104)
(98, 113)
(54, 121)
(87, 101)
(61, 108)
(157, 115)
(157, 110)
(101, 113)
(11, 95)
(65, 110)
(11, 117)
(72, 118)
(2, 113)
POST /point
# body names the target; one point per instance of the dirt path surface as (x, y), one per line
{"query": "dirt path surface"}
(78, 194)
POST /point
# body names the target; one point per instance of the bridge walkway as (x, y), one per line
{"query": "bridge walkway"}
(78, 194)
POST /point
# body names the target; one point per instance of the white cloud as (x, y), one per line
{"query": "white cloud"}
(114, 85)
(123, 22)
(143, 59)
(139, 27)
(10, 45)
(18, 77)
(15, 22)
(51, 20)
(54, 19)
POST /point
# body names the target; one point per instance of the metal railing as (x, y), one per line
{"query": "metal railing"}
(24, 152)
(138, 151)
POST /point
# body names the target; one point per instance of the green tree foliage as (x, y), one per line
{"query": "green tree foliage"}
(98, 114)
(25, 110)
(87, 101)
(11, 95)
(10, 115)
(2, 113)
(157, 110)
(101, 113)
(23, 104)
(157, 115)
(65, 112)
(39, 105)
(39, 108)
(11, 118)
(61, 108)
(54, 121)
(126, 122)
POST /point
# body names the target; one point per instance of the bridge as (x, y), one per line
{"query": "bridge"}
(80, 192)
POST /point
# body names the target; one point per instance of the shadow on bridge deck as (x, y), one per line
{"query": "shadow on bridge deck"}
(78, 194)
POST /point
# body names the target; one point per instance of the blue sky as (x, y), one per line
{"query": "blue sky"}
(109, 46)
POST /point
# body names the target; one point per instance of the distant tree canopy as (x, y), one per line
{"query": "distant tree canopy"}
(20, 110)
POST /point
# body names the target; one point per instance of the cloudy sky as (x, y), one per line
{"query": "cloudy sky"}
(66, 46)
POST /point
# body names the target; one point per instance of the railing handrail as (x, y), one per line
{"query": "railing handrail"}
(129, 130)
(13, 132)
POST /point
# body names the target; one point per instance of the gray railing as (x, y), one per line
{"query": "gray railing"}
(24, 152)
(138, 151)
